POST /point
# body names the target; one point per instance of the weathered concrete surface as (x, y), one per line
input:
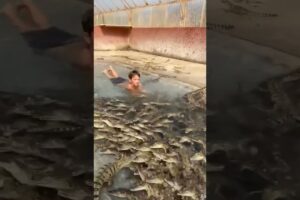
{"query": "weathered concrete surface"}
(190, 73)
(183, 43)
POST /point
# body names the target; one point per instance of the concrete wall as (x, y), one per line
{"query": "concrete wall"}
(111, 38)
(188, 43)
(169, 28)
(183, 43)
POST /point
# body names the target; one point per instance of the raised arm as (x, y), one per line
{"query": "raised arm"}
(110, 73)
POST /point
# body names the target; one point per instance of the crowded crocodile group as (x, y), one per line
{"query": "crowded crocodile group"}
(161, 142)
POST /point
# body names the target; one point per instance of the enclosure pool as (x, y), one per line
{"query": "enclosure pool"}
(160, 118)
(152, 83)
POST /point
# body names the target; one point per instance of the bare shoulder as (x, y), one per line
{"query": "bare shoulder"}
(124, 85)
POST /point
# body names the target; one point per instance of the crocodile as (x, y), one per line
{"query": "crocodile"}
(106, 173)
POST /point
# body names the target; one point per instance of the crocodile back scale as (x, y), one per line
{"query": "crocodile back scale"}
(107, 172)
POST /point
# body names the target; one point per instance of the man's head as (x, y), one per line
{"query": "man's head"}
(134, 78)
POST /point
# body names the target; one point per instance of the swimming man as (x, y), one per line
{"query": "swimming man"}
(133, 84)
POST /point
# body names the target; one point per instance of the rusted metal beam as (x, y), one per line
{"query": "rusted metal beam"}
(98, 9)
(109, 8)
(125, 4)
(112, 2)
(182, 13)
(133, 3)
(146, 3)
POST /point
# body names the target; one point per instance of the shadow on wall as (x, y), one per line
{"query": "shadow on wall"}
(116, 31)
(111, 38)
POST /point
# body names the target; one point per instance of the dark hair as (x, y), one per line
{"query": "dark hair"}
(133, 73)
(87, 21)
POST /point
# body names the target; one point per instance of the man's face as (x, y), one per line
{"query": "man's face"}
(135, 81)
